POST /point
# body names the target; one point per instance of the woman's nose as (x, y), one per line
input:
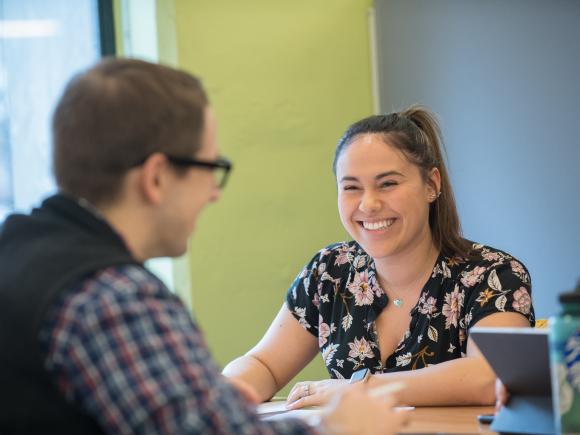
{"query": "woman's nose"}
(369, 203)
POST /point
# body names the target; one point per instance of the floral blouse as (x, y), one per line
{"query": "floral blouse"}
(337, 298)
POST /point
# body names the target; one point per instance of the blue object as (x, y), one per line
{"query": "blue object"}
(565, 362)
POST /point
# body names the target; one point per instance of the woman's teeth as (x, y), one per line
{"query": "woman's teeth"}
(380, 225)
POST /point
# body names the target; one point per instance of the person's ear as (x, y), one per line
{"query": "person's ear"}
(153, 177)
(434, 184)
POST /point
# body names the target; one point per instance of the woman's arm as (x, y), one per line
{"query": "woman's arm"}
(463, 381)
(284, 350)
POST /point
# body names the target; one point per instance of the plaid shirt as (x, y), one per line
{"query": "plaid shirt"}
(127, 351)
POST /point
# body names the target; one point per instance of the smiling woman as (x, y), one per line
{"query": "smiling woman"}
(401, 297)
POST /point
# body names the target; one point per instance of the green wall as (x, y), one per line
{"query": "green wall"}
(285, 79)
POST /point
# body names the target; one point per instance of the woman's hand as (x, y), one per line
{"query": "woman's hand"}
(502, 395)
(311, 393)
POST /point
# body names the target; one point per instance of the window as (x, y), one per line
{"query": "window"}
(42, 44)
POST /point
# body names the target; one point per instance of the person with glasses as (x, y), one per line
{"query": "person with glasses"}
(91, 341)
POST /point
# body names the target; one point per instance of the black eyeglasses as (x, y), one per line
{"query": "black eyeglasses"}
(220, 166)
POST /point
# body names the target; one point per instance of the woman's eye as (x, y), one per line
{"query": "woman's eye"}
(386, 184)
(349, 187)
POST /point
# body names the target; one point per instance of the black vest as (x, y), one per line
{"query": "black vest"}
(41, 256)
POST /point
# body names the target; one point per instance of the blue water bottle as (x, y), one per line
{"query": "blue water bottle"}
(565, 363)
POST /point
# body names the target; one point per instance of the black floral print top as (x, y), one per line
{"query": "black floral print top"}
(337, 298)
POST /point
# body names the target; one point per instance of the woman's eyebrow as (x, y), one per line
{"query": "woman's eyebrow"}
(388, 174)
(377, 177)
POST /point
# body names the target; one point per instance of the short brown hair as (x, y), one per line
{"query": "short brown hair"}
(416, 132)
(116, 114)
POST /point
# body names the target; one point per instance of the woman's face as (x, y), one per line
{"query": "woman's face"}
(383, 200)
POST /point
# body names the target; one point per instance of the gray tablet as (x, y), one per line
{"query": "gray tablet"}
(520, 358)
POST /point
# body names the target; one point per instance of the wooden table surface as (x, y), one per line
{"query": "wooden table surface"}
(422, 420)
(448, 420)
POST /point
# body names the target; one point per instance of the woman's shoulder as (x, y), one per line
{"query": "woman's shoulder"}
(484, 255)
(335, 261)
(330, 264)
(339, 253)
(484, 259)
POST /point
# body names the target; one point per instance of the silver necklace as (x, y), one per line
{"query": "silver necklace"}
(398, 301)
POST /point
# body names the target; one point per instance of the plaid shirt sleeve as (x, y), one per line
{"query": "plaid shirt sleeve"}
(126, 349)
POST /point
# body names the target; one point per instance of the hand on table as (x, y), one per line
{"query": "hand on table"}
(502, 395)
(246, 390)
(351, 410)
(312, 393)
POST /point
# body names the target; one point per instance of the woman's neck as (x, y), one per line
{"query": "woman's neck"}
(409, 270)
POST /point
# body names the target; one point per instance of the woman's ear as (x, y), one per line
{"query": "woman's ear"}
(434, 184)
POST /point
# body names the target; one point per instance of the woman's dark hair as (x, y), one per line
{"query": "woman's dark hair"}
(416, 133)
(117, 113)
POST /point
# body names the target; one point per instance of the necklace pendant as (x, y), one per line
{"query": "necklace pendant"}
(398, 302)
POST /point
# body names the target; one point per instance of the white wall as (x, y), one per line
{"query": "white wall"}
(504, 77)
